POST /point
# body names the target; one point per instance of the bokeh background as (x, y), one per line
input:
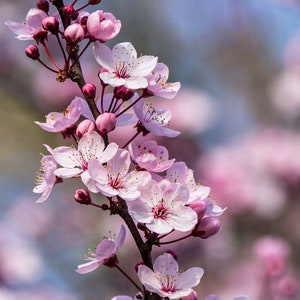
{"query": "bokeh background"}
(239, 113)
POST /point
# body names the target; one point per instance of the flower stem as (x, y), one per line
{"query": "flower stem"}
(127, 276)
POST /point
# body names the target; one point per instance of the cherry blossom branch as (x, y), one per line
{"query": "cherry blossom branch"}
(144, 248)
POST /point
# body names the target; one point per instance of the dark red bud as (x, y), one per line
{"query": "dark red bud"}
(69, 11)
(32, 52)
(82, 196)
(43, 5)
(89, 90)
(175, 256)
(147, 93)
(94, 2)
(122, 92)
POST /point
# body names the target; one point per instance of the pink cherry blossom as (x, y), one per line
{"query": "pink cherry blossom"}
(180, 173)
(122, 66)
(105, 250)
(273, 253)
(46, 179)
(150, 156)
(166, 280)
(162, 207)
(153, 119)
(158, 85)
(32, 28)
(60, 121)
(75, 162)
(102, 26)
(115, 180)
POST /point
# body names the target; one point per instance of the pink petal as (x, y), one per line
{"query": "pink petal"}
(104, 56)
(88, 267)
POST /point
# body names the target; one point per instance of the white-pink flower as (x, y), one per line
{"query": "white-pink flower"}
(75, 162)
(32, 28)
(122, 66)
(166, 280)
(46, 179)
(180, 173)
(102, 26)
(153, 119)
(105, 251)
(150, 156)
(162, 207)
(60, 121)
(158, 85)
(115, 179)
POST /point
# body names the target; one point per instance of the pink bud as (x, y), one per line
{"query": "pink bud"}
(89, 90)
(43, 5)
(122, 92)
(51, 24)
(288, 286)
(74, 33)
(32, 52)
(84, 127)
(106, 122)
(102, 26)
(82, 196)
(192, 296)
(207, 227)
(199, 207)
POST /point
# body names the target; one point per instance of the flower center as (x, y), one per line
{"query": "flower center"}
(169, 284)
(160, 211)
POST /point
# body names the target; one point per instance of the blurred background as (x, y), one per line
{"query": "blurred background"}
(239, 114)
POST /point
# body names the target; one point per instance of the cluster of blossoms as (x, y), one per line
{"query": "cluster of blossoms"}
(154, 195)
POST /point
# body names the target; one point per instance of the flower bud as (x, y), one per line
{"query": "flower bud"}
(43, 5)
(89, 90)
(70, 12)
(82, 196)
(106, 122)
(207, 227)
(51, 24)
(32, 52)
(74, 33)
(122, 92)
(175, 256)
(94, 2)
(84, 127)
(199, 207)
(192, 296)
